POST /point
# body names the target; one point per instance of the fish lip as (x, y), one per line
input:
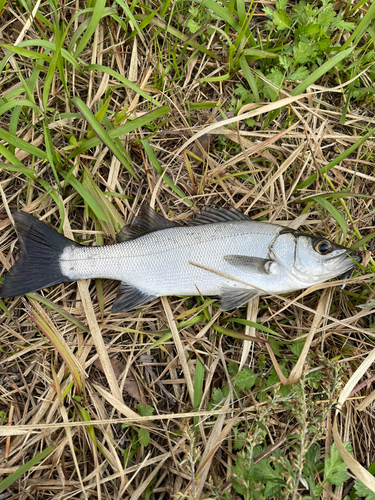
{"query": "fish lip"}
(348, 273)
(352, 255)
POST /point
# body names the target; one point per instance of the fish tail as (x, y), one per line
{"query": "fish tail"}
(39, 263)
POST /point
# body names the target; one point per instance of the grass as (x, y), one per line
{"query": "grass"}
(266, 106)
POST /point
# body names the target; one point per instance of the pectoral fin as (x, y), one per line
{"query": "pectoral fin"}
(252, 264)
(232, 297)
(129, 297)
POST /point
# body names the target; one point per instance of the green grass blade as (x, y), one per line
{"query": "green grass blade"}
(122, 79)
(113, 222)
(363, 241)
(93, 24)
(198, 388)
(252, 324)
(21, 144)
(51, 47)
(250, 78)
(50, 152)
(223, 13)
(175, 32)
(102, 134)
(129, 15)
(362, 26)
(7, 106)
(333, 211)
(59, 310)
(122, 130)
(160, 170)
(85, 195)
(335, 161)
(58, 343)
(28, 54)
(324, 68)
(8, 481)
(236, 335)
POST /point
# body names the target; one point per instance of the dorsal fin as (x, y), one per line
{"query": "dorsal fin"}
(147, 222)
(209, 215)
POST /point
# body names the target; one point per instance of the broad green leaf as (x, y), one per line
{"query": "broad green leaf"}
(245, 379)
(281, 20)
(144, 437)
(362, 491)
(334, 466)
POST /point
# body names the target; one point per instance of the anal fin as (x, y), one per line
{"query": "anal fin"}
(130, 297)
(233, 297)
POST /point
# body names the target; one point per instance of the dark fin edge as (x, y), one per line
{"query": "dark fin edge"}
(209, 215)
(147, 222)
(130, 297)
(38, 264)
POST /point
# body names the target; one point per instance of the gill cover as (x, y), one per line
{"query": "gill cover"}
(310, 259)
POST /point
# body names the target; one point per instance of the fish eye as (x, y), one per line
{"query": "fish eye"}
(323, 247)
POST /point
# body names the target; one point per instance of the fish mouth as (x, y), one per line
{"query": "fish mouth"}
(347, 257)
(355, 256)
(348, 273)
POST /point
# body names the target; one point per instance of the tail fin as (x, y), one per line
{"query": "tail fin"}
(39, 263)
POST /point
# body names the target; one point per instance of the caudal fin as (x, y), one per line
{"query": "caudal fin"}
(39, 263)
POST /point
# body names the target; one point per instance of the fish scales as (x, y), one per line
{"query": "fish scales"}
(155, 259)
(159, 261)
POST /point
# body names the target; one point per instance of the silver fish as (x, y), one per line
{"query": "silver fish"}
(155, 257)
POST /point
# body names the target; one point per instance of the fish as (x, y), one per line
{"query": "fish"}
(220, 253)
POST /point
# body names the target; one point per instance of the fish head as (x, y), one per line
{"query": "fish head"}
(308, 259)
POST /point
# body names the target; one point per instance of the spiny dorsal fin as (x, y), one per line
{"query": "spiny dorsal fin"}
(147, 222)
(209, 215)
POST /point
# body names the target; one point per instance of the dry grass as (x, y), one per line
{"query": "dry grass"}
(72, 381)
